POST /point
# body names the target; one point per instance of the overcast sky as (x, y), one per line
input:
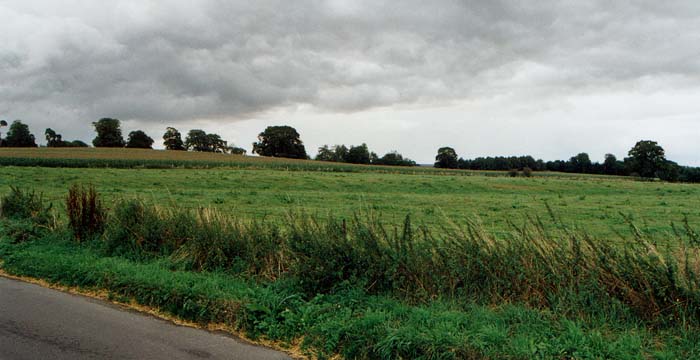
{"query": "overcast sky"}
(546, 78)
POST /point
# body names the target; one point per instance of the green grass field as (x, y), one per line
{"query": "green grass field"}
(593, 203)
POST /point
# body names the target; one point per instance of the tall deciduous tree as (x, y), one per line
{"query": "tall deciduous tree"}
(647, 158)
(280, 141)
(446, 158)
(198, 140)
(172, 140)
(109, 133)
(19, 136)
(139, 140)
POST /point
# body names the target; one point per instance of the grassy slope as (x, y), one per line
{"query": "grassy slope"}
(592, 203)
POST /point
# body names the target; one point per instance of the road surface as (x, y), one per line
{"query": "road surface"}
(40, 323)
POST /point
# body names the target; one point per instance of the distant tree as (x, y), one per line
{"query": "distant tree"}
(236, 150)
(53, 139)
(325, 154)
(216, 144)
(109, 133)
(359, 155)
(373, 157)
(197, 140)
(394, 159)
(337, 153)
(647, 159)
(19, 136)
(172, 140)
(139, 140)
(580, 164)
(77, 143)
(280, 141)
(670, 172)
(341, 153)
(3, 123)
(610, 165)
(446, 158)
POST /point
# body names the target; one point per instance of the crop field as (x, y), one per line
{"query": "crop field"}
(324, 260)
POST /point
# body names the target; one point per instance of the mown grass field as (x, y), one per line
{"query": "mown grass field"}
(596, 204)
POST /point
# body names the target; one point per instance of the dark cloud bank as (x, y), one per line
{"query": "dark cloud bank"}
(155, 62)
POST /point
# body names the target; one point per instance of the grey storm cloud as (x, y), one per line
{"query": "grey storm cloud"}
(177, 60)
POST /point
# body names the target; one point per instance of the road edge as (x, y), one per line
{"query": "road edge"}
(294, 352)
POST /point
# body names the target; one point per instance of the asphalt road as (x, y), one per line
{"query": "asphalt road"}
(40, 323)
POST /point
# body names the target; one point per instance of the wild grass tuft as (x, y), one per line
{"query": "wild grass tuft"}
(86, 214)
(27, 205)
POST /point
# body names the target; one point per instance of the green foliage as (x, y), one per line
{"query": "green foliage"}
(22, 230)
(53, 139)
(358, 155)
(647, 158)
(280, 141)
(236, 150)
(139, 140)
(86, 215)
(109, 133)
(198, 140)
(580, 163)
(394, 159)
(172, 140)
(446, 158)
(76, 143)
(19, 136)
(25, 205)
(349, 323)
(543, 266)
(513, 172)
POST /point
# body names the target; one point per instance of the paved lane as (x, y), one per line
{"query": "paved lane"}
(40, 323)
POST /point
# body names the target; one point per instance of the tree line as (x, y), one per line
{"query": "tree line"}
(646, 159)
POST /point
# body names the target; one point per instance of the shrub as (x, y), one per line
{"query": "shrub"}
(21, 230)
(527, 172)
(513, 172)
(25, 205)
(86, 215)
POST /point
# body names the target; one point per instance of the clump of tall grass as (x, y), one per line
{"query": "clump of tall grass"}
(27, 205)
(86, 214)
(202, 239)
